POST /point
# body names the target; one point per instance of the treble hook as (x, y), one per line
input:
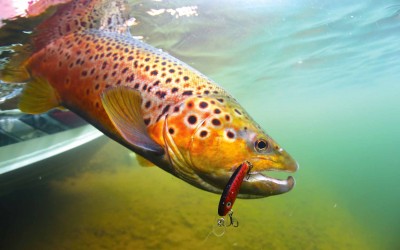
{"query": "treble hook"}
(232, 221)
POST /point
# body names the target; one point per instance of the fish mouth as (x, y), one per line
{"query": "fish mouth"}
(254, 185)
(258, 185)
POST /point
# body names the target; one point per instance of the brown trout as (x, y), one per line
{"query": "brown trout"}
(82, 58)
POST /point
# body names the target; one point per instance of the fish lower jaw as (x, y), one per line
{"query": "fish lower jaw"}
(262, 176)
(258, 185)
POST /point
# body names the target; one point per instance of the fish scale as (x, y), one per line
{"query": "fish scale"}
(84, 59)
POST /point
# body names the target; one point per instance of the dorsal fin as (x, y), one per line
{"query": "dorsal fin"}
(78, 15)
(46, 22)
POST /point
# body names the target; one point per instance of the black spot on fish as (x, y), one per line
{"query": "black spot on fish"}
(216, 122)
(186, 78)
(165, 110)
(174, 89)
(192, 119)
(203, 133)
(130, 78)
(217, 111)
(161, 94)
(187, 92)
(227, 117)
(238, 112)
(154, 72)
(203, 105)
(147, 121)
(230, 134)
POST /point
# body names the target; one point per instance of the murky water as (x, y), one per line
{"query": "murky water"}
(320, 76)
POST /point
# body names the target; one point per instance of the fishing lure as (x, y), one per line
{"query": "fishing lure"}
(231, 190)
(228, 197)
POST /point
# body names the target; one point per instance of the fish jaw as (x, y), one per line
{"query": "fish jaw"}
(255, 185)
(259, 185)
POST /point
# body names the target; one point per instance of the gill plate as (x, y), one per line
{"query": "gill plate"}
(181, 167)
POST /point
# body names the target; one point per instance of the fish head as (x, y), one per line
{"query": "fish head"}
(213, 136)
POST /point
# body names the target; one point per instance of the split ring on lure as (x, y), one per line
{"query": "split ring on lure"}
(231, 190)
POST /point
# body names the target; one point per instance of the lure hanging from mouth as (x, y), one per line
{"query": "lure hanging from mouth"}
(231, 190)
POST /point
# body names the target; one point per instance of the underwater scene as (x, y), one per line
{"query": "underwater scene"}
(320, 77)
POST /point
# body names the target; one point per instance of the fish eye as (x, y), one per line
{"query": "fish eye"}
(228, 204)
(261, 145)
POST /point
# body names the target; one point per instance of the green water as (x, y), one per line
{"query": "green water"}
(321, 77)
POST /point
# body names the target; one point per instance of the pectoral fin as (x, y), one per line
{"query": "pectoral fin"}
(123, 106)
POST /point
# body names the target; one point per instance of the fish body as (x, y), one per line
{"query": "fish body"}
(147, 100)
(232, 188)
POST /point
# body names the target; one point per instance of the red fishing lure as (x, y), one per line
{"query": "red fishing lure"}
(231, 190)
